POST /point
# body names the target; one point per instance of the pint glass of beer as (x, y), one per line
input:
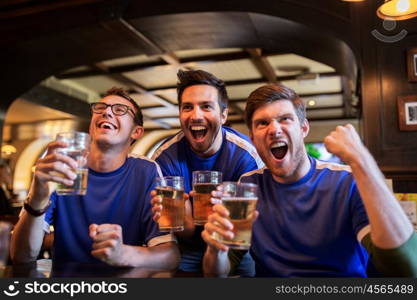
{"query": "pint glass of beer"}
(203, 183)
(78, 147)
(240, 200)
(171, 190)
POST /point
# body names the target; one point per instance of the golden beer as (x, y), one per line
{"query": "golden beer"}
(173, 209)
(204, 182)
(241, 212)
(201, 202)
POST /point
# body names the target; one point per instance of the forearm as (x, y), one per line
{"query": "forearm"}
(215, 263)
(397, 262)
(390, 227)
(162, 256)
(27, 238)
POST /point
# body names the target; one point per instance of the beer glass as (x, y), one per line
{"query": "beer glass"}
(240, 200)
(203, 183)
(5, 229)
(171, 190)
(78, 147)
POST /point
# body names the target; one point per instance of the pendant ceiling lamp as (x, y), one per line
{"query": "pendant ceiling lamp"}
(395, 9)
(398, 9)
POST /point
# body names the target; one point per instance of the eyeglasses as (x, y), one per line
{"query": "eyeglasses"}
(118, 109)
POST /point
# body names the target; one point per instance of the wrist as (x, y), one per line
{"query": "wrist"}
(127, 257)
(36, 203)
(36, 211)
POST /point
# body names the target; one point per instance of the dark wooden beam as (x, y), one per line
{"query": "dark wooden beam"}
(166, 99)
(251, 81)
(347, 97)
(218, 57)
(111, 70)
(23, 8)
(137, 39)
(236, 109)
(262, 64)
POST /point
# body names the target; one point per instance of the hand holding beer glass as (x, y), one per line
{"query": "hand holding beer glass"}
(239, 209)
(204, 182)
(78, 146)
(171, 190)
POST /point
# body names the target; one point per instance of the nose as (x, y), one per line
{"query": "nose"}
(196, 113)
(274, 128)
(108, 111)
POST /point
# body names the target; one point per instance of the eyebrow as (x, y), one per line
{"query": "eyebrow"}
(198, 103)
(273, 117)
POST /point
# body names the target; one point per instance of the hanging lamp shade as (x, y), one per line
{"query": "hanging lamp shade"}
(398, 9)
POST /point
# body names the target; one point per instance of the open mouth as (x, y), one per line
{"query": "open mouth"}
(279, 150)
(106, 125)
(198, 132)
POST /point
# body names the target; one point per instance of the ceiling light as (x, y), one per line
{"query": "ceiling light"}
(311, 103)
(398, 9)
(8, 150)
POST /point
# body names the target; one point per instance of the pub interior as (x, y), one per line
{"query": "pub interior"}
(348, 64)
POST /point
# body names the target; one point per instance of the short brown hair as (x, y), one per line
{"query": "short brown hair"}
(270, 93)
(124, 94)
(196, 77)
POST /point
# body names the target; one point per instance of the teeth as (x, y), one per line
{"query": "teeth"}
(278, 144)
(198, 128)
(106, 125)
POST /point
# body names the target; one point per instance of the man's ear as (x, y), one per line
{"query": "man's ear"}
(225, 112)
(137, 132)
(305, 127)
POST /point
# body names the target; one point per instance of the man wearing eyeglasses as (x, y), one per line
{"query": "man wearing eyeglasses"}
(113, 222)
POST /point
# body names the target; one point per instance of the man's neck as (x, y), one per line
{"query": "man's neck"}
(301, 171)
(106, 160)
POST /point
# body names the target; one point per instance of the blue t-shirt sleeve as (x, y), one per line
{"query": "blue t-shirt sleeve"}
(248, 164)
(247, 179)
(150, 228)
(357, 209)
(50, 213)
(165, 164)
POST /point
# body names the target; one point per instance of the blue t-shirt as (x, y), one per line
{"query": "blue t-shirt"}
(309, 227)
(118, 197)
(235, 157)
